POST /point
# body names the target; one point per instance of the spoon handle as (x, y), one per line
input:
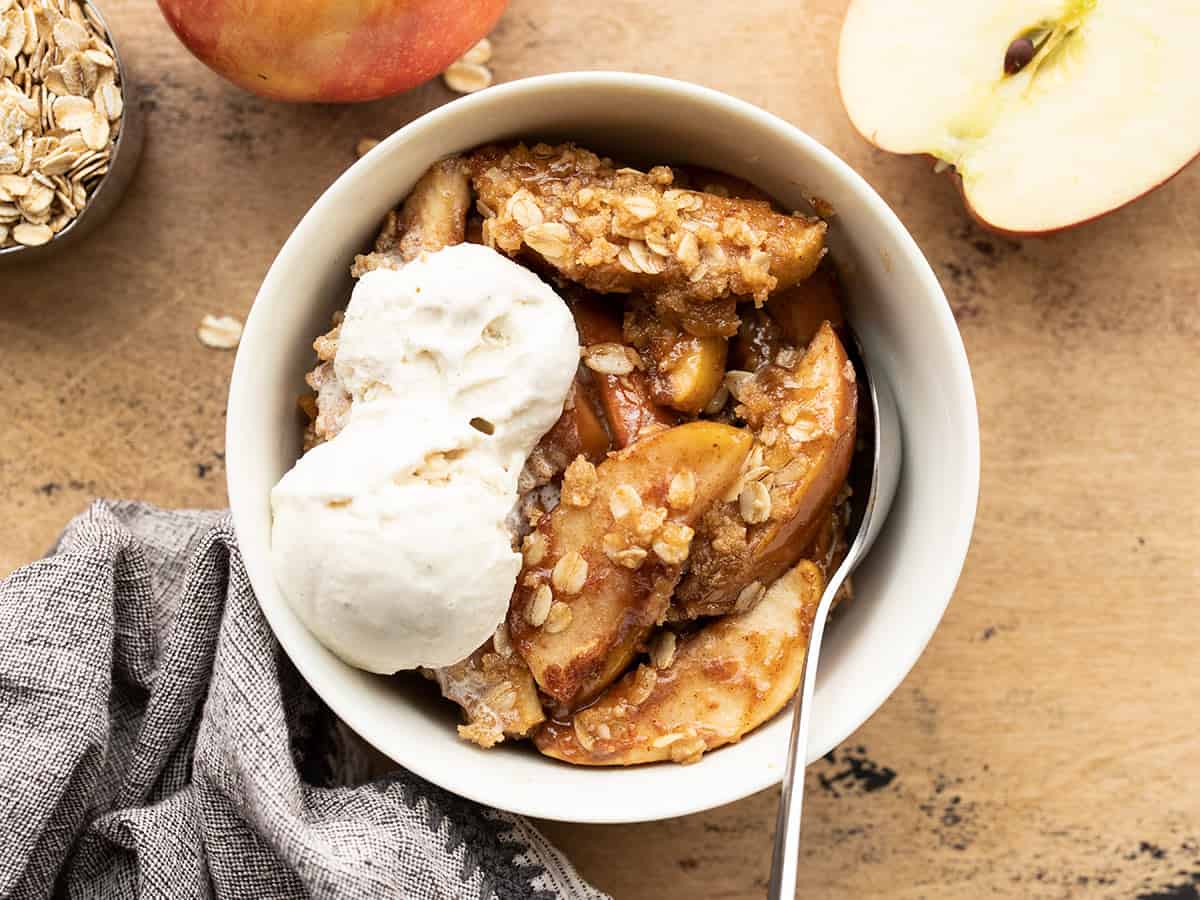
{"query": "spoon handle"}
(786, 857)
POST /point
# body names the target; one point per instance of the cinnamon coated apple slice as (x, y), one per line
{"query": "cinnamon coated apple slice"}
(791, 318)
(621, 387)
(803, 415)
(600, 568)
(580, 429)
(699, 692)
(434, 215)
(685, 371)
(758, 340)
(620, 230)
(801, 309)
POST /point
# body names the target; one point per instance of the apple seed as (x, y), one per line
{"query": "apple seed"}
(1018, 55)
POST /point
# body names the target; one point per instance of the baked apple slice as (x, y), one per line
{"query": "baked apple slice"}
(685, 371)
(433, 216)
(758, 340)
(801, 309)
(600, 568)
(791, 318)
(619, 230)
(803, 418)
(720, 683)
(579, 430)
(620, 385)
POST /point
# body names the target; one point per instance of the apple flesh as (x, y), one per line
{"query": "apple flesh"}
(315, 50)
(802, 309)
(725, 680)
(1102, 111)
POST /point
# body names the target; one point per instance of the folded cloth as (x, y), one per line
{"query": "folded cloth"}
(156, 742)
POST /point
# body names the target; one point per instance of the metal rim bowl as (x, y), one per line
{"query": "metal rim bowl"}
(126, 151)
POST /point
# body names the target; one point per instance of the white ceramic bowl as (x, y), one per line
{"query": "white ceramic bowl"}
(896, 306)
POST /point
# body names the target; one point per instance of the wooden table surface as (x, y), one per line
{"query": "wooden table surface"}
(1044, 746)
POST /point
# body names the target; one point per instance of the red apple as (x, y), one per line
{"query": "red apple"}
(332, 51)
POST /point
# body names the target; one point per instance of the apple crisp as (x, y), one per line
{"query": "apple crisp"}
(678, 523)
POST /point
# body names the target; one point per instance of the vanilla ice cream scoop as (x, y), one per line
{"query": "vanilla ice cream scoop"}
(389, 540)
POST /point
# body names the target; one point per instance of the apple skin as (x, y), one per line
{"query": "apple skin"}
(1009, 233)
(329, 51)
(1018, 235)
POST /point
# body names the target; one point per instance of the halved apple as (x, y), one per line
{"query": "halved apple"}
(804, 422)
(1051, 112)
(722, 682)
(599, 573)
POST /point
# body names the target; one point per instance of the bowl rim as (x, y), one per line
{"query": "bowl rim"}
(717, 793)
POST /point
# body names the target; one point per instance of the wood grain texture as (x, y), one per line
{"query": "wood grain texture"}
(1045, 745)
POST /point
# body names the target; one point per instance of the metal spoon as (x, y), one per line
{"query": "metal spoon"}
(870, 503)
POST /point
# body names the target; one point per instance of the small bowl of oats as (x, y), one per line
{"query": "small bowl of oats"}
(69, 135)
